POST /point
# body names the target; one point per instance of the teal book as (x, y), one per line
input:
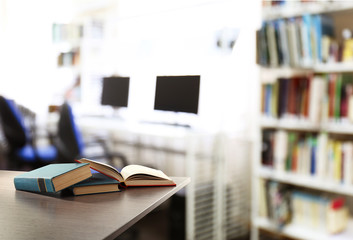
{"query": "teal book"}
(53, 177)
(98, 183)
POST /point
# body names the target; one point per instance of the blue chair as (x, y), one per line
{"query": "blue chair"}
(22, 151)
(68, 140)
(71, 145)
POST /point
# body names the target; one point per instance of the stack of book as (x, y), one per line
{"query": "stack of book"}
(89, 177)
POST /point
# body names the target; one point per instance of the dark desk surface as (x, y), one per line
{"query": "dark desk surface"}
(25, 215)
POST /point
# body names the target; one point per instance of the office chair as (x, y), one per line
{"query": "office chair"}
(22, 151)
(71, 145)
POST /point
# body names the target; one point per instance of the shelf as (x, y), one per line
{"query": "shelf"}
(305, 181)
(271, 74)
(291, 10)
(305, 233)
(333, 67)
(343, 127)
(289, 124)
(338, 128)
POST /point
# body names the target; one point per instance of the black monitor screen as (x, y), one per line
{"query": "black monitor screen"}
(115, 91)
(177, 93)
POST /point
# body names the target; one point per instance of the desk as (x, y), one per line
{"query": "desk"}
(177, 151)
(25, 215)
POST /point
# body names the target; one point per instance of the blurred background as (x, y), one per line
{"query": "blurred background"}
(269, 146)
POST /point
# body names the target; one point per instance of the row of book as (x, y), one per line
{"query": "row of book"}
(294, 97)
(298, 42)
(308, 154)
(284, 205)
(71, 58)
(317, 98)
(66, 32)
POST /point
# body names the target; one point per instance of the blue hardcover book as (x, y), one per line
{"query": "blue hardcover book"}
(53, 177)
(98, 183)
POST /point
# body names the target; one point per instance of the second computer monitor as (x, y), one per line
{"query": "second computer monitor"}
(177, 93)
(115, 91)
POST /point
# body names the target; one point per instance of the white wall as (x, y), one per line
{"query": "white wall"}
(157, 38)
(148, 38)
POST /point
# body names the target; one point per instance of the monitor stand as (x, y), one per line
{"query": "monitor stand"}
(174, 123)
(168, 124)
(117, 113)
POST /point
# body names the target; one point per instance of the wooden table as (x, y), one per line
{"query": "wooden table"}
(26, 215)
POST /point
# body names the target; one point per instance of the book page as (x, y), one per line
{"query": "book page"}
(103, 168)
(131, 170)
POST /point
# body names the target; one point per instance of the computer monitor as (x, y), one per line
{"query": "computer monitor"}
(115, 91)
(177, 93)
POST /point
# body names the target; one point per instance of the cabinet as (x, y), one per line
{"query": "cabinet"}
(302, 165)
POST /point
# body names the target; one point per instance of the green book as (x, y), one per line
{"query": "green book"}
(53, 177)
(337, 107)
(292, 139)
(98, 183)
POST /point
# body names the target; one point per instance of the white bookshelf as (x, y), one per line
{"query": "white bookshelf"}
(344, 128)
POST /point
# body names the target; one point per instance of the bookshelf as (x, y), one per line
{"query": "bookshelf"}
(303, 153)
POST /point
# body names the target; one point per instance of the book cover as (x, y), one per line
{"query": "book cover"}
(292, 140)
(292, 42)
(280, 150)
(279, 48)
(337, 99)
(53, 177)
(316, 98)
(98, 183)
(272, 46)
(267, 147)
(305, 28)
(283, 36)
(283, 85)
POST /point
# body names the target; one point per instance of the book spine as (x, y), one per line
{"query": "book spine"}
(34, 184)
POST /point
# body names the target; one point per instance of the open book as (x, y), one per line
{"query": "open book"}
(132, 175)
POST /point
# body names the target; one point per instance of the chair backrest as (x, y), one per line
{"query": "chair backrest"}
(70, 142)
(13, 126)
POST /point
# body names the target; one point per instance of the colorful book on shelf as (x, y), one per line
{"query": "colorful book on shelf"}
(283, 41)
(98, 183)
(272, 45)
(292, 42)
(267, 147)
(305, 28)
(317, 91)
(337, 99)
(53, 177)
(131, 175)
(283, 90)
(331, 94)
(319, 211)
